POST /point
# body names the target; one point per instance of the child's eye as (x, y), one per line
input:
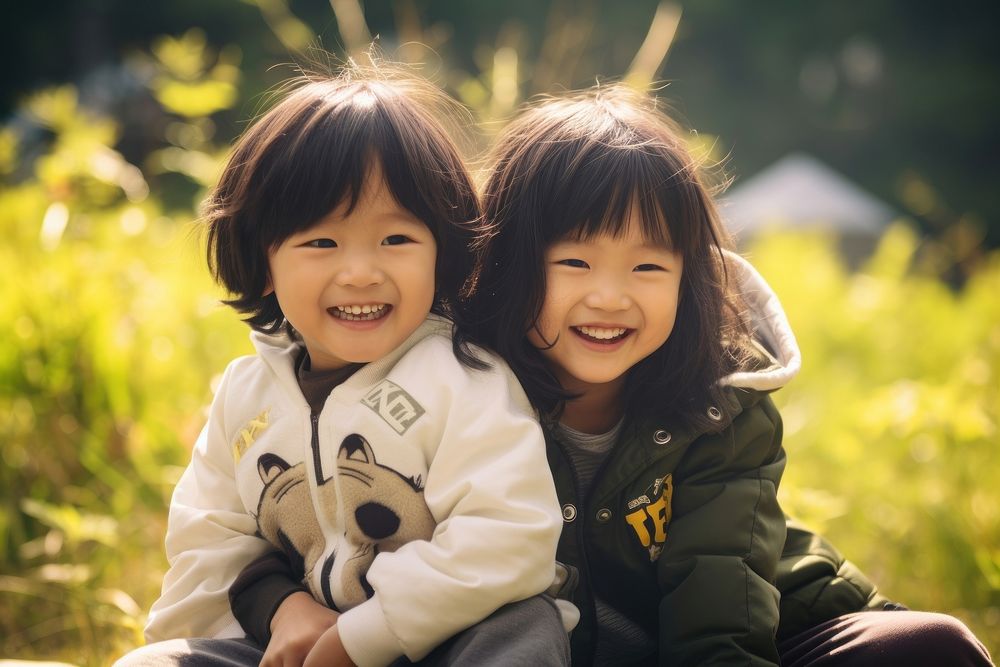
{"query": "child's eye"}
(648, 267)
(575, 263)
(396, 239)
(322, 243)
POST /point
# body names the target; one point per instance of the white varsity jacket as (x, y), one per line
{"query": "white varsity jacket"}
(437, 469)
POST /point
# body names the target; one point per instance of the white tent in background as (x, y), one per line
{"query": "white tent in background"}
(798, 192)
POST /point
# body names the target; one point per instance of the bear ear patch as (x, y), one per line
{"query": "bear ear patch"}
(356, 448)
(270, 466)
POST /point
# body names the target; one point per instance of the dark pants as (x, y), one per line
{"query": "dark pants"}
(885, 639)
(529, 632)
(514, 636)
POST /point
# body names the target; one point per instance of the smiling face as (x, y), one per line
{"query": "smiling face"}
(609, 304)
(356, 284)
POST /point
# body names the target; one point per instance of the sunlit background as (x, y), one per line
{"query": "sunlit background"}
(862, 144)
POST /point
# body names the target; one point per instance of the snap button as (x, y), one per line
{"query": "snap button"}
(569, 512)
(661, 437)
(715, 414)
(603, 515)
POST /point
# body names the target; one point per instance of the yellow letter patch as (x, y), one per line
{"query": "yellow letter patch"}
(653, 516)
(248, 434)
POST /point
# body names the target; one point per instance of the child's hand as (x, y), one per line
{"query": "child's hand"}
(295, 628)
(329, 651)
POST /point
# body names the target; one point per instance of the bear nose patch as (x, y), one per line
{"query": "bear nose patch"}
(376, 521)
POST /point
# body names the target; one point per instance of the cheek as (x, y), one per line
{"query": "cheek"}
(281, 273)
(428, 279)
(416, 275)
(666, 319)
(428, 268)
(667, 327)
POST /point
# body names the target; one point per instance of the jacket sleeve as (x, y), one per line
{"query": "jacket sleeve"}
(210, 539)
(818, 584)
(498, 522)
(258, 592)
(716, 572)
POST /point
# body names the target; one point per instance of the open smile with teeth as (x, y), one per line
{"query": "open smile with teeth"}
(602, 334)
(361, 312)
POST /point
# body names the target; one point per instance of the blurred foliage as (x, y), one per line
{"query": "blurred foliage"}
(892, 426)
(114, 332)
(115, 335)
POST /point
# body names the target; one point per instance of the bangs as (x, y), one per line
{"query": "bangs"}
(612, 191)
(592, 185)
(322, 150)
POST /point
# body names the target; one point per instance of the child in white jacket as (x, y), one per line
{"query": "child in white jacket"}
(397, 468)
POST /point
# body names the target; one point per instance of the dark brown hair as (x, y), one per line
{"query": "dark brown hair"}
(313, 150)
(573, 167)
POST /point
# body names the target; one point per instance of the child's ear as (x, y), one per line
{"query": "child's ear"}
(268, 287)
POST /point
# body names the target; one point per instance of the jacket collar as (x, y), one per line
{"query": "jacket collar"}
(280, 350)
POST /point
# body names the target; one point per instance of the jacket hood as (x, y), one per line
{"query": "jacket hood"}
(770, 328)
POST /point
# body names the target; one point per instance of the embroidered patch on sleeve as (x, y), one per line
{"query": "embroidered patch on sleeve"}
(248, 434)
(396, 407)
(649, 518)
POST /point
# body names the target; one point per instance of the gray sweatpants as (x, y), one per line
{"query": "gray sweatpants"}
(529, 632)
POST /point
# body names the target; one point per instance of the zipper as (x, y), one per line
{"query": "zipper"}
(318, 471)
(317, 460)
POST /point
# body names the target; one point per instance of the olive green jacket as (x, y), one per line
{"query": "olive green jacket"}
(683, 534)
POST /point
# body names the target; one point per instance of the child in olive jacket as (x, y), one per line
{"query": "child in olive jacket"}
(649, 351)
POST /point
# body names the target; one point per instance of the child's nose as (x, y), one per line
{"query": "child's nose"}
(360, 271)
(608, 296)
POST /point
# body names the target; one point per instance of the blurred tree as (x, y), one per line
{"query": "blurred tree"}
(901, 96)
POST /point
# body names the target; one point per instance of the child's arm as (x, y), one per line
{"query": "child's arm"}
(717, 568)
(261, 590)
(210, 539)
(818, 584)
(490, 491)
